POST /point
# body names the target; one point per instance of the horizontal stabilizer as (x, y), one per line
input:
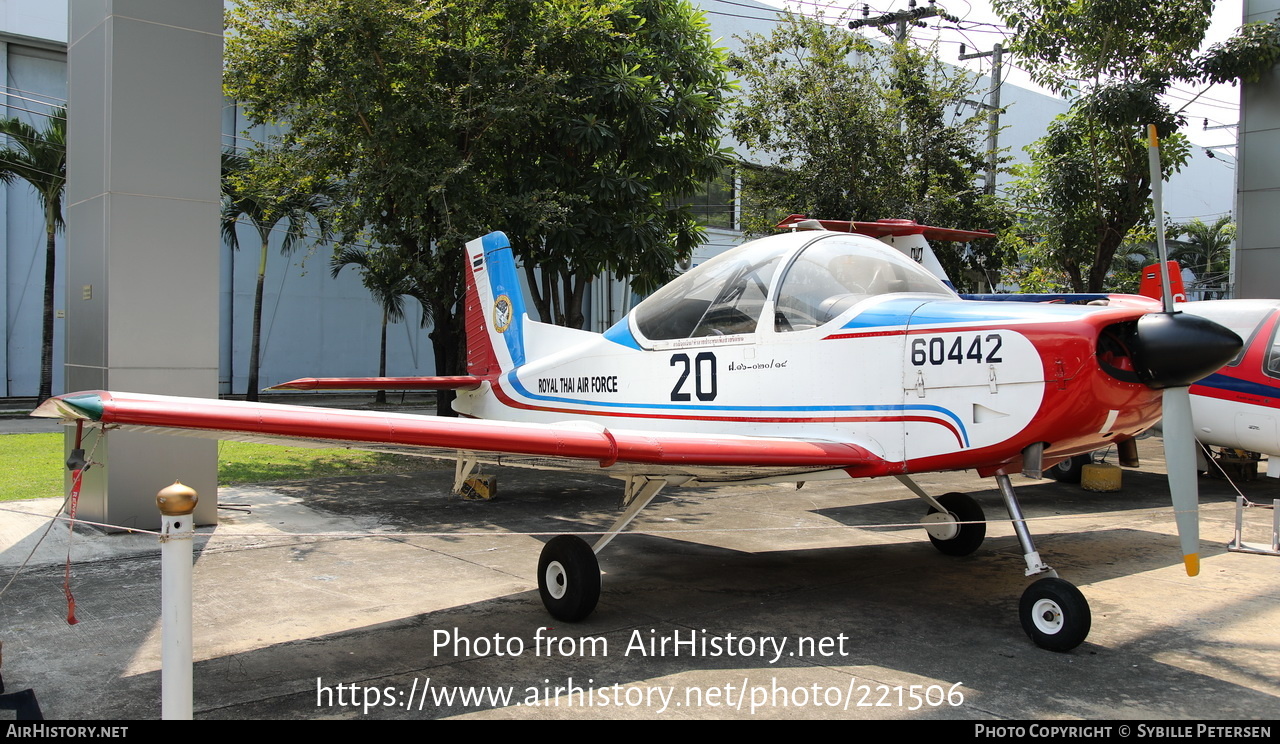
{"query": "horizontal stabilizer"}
(456, 382)
(886, 228)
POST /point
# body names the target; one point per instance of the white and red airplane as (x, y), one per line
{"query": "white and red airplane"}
(1239, 405)
(798, 357)
(1236, 407)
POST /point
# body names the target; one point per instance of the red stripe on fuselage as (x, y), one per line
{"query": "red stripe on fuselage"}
(511, 402)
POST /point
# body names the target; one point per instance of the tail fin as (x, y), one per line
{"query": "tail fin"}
(495, 309)
(917, 248)
(1150, 286)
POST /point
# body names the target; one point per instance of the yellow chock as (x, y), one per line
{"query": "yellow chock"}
(480, 488)
(1101, 477)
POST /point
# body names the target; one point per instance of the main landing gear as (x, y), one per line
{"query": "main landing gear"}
(1053, 613)
(568, 572)
(568, 578)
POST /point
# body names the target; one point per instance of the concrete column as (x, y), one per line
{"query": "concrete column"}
(142, 231)
(1257, 263)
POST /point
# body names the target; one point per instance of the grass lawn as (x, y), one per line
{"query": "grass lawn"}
(32, 464)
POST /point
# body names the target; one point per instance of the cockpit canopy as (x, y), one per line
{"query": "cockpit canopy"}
(806, 279)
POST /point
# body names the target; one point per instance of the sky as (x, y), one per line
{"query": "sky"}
(981, 28)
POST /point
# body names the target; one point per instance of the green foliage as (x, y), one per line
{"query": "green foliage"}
(1204, 248)
(39, 157)
(40, 457)
(1088, 187)
(262, 190)
(630, 129)
(575, 125)
(1246, 56)
(1087, 190)
(407, 105)
(851, 130)
(1133, 40)
(384, 273)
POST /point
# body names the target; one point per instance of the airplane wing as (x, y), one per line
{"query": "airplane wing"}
(574, 445)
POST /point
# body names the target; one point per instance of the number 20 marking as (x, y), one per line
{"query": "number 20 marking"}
(934, 350)
(704, 383)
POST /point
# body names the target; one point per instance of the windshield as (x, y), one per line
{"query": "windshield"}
(830, 276)
(721, 297)
(727, 295)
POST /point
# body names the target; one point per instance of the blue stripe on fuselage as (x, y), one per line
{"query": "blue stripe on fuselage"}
(620, 333)
(889, 408)
(899, 313)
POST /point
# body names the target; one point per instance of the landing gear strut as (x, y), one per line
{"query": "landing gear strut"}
(1054, 614)
(568, 572)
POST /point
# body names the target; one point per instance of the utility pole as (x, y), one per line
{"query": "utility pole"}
(916, 16)
(993, 109)
(901, 18)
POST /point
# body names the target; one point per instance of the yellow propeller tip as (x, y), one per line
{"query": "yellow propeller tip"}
(1192, 562)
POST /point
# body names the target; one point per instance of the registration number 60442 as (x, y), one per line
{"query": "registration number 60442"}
(937, 350)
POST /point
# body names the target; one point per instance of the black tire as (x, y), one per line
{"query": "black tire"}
(970, 536)
(1070, 470)
(568, 578)
(1055, 615)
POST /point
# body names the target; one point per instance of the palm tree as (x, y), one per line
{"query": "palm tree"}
(39, 157)
(265, 207)
(388, 282)
(1204, 248)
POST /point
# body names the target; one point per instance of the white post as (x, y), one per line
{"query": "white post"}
(176, 503)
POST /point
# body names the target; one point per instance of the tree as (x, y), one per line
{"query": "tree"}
(408, 107)
(1205, 248)
(387, 280)
(437, 120)
(631, 129)
(39, 157)
(252, 189)
(1089, 185)
(854, 130)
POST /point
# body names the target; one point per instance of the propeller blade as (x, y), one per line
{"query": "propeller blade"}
(1167, 340)
(1157, 199)
(1180, 462)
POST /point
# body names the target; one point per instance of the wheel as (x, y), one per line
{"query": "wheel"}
(568, 578)
(949, 537)
(1054, 614)
(1070, 469)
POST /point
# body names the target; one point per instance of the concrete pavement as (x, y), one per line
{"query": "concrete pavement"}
(392, 594)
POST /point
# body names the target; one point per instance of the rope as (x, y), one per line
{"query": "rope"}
(542, 533)
(76, 479)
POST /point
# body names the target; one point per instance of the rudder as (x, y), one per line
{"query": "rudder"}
(495, 308)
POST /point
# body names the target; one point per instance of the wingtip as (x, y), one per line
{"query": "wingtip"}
(1192, 562)
(72, 406)
(303, 383)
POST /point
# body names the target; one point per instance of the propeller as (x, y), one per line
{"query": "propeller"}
(1171, 350)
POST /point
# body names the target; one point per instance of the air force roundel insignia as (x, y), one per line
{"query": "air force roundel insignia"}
(502, 313)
